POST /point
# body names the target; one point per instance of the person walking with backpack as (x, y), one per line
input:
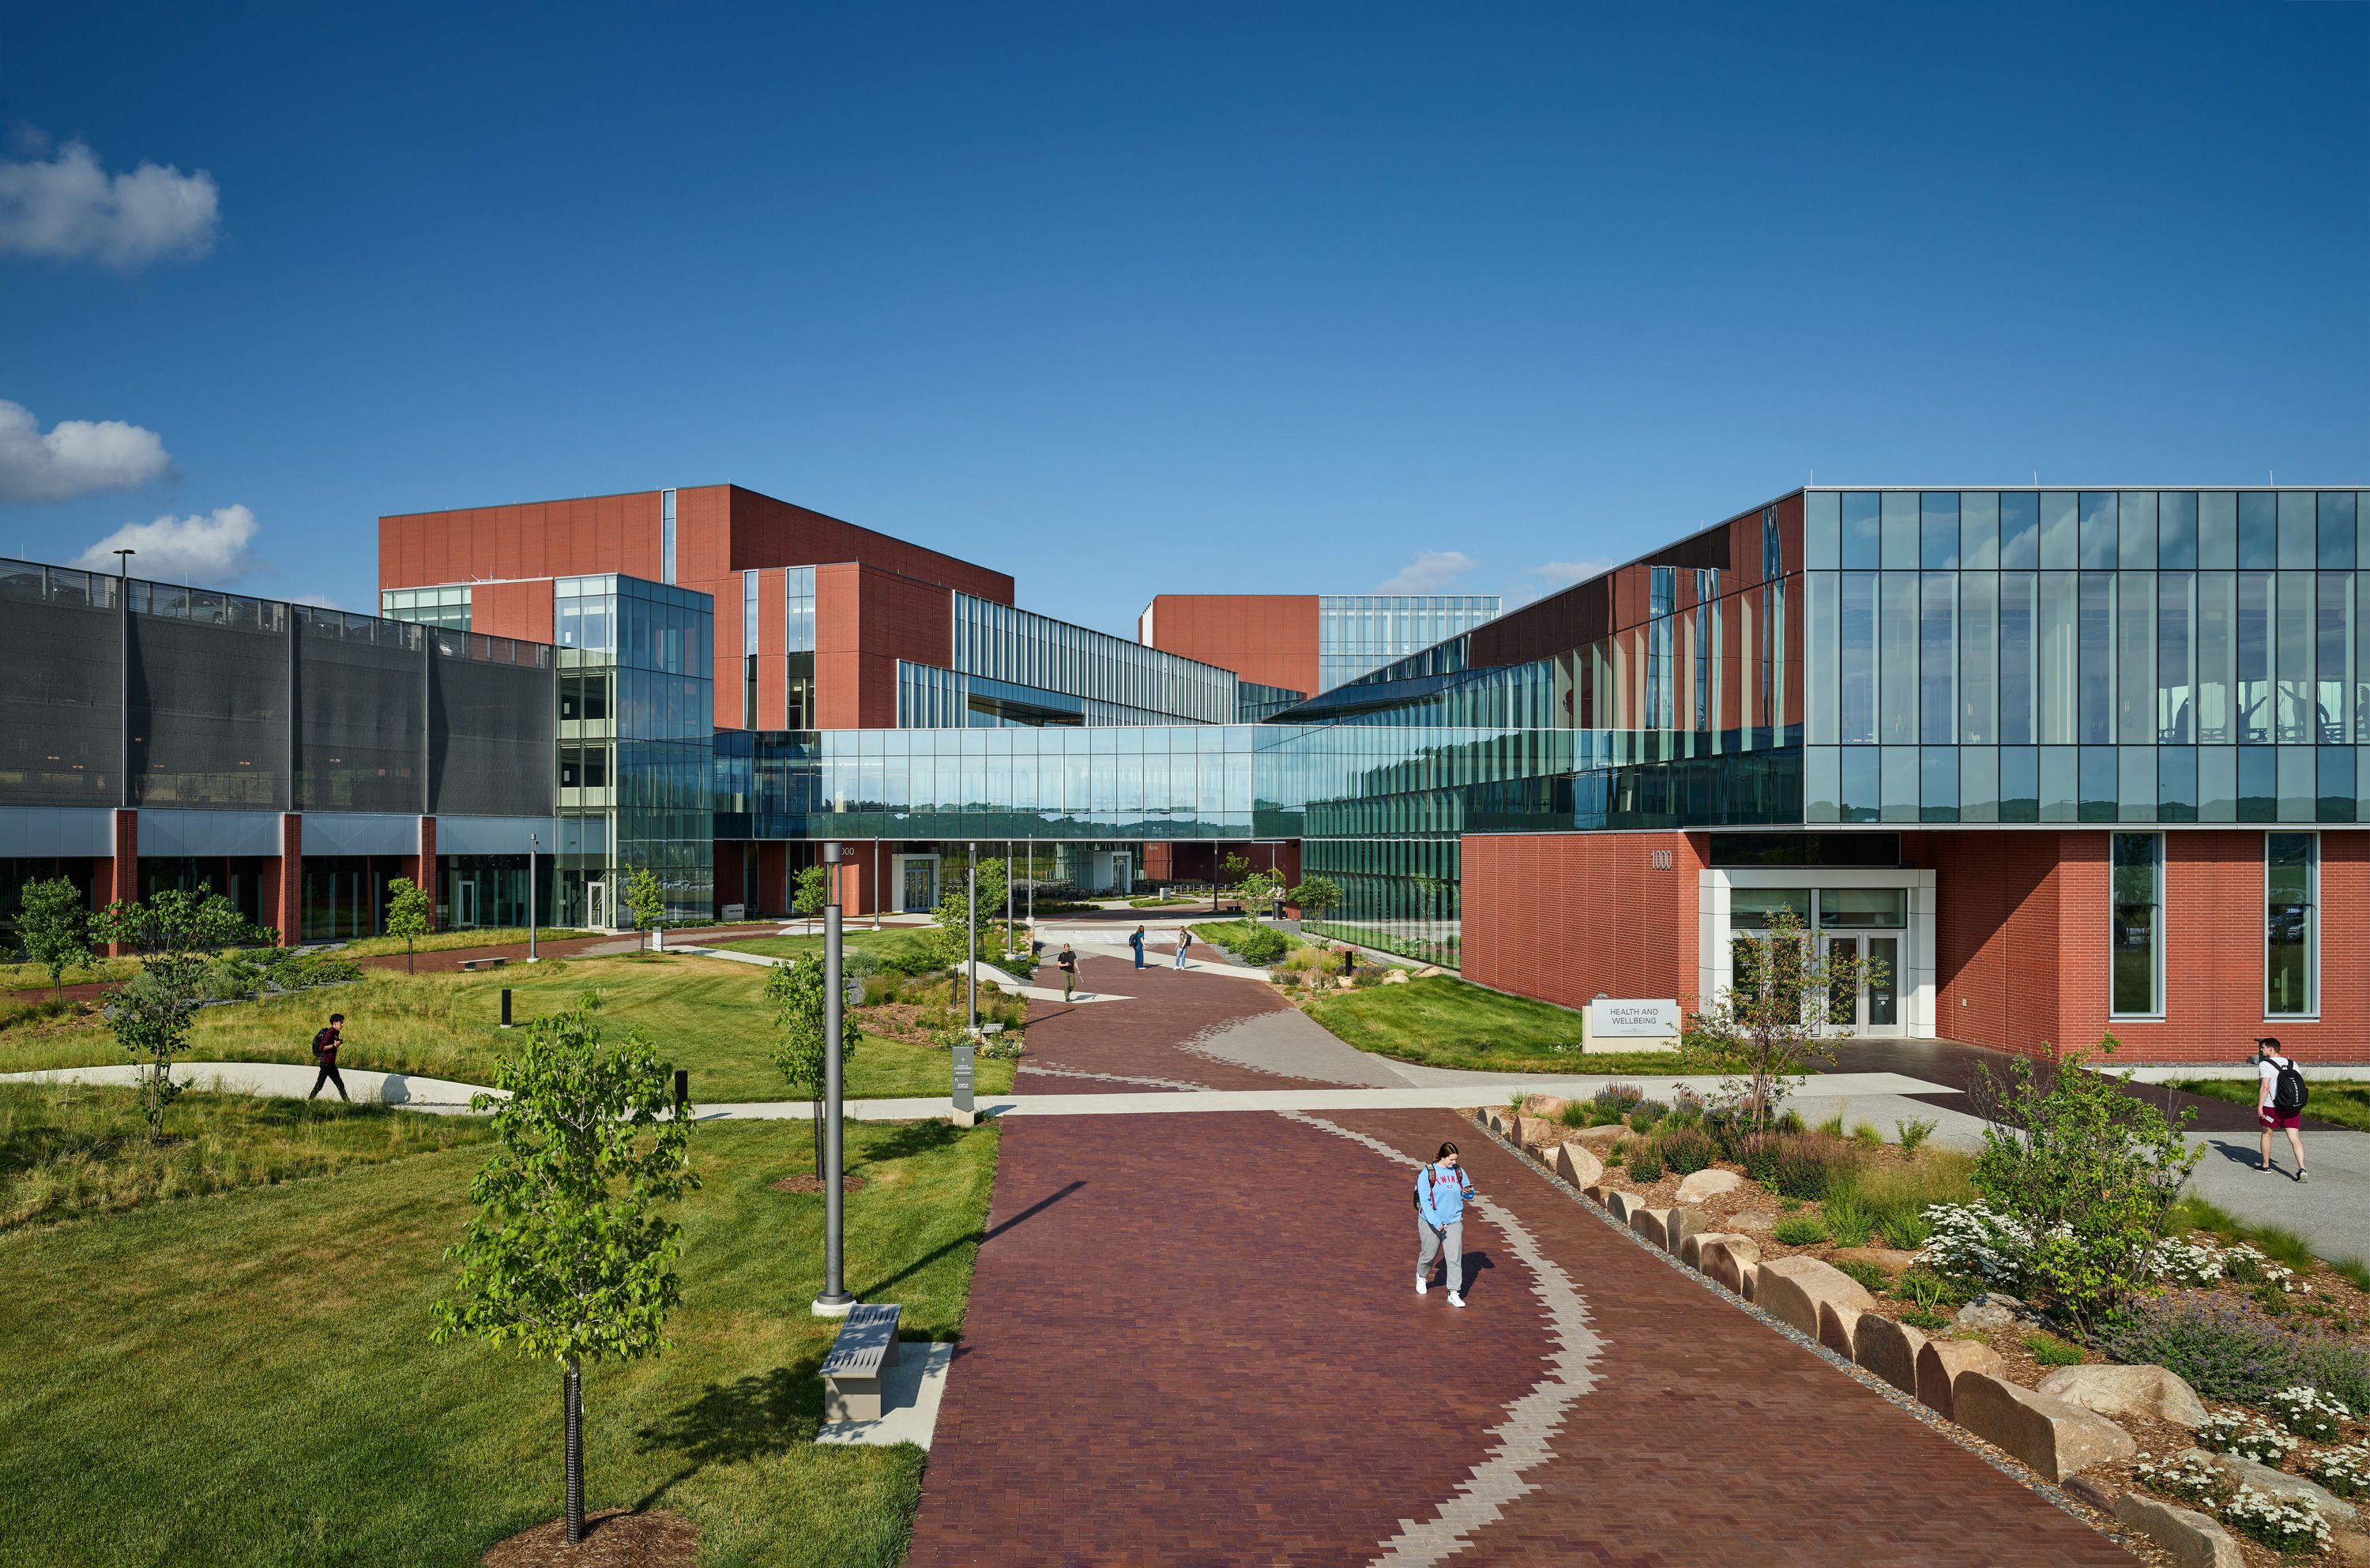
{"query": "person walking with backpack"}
(1137, 942)
(1442, 1190)
(1184, 940)
(2280, 1104)
(1068, 962)
(325, 1056)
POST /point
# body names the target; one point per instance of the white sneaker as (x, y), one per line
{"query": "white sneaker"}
(1422, 1286)
(1454, 1300)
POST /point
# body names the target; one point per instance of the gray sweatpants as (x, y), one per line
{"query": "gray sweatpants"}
(1432, 1241)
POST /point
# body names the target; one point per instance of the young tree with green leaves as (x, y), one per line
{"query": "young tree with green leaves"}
(644, 898)
(177, 935)
(954, 913)
(1314, 895)
(2092, 1173)
(406, 917)
(796, 988)
(1260, 890)
(1766, 1029)
(813, 890)
(53, 923)
(568, 1257)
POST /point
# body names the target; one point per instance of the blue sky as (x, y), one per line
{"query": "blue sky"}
(1136, 298)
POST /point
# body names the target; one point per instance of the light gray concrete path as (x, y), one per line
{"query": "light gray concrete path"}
(1291, 1044)
(283, 1080)
(1121, 950)
(909, 1392)
(2328, 1212)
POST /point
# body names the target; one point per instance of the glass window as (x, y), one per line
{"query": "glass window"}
(1859, 795)
(1979, 792)
(1861, 538)
(2290, 861)
(2137, 944)
(2259, 784)
(1822, 784)
(1855, 707)
(2135, 792)
(2333, 637)
(666, 536)
(1978, 530)
(2216, 703)
(1898, 659)
(2176, 531)
(1938, 657)
(2259, 530)
(1752, 907)
(2136, 530)
(2336, 804)
(1978, 658)
(1938, 783)
(1863, 907)
(2019, 784)
(1898, 524)
(2098, 529)
(2336, 530)
(2019, 694)
(2097, 724)
(2102, 783)
(2176, 784)
(2059, 665)
(2217, 530)
(1899, 783)
(2061, 533)
(2217, 784)
(1937, 530)
(2295, 692)
(2299, 782)
(2019, 530)
(2061, 771)
(2299, 536)
(748, 613)
(2254, 658)
(1819, 673)
(1822, 528)
(2135, 701)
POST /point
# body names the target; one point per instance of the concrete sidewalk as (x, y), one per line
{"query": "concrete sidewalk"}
(283, 1081)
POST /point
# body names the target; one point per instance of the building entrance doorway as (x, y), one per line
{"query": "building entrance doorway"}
(596, 905)
(1873, 1006)
(465, 904)
(920, 889)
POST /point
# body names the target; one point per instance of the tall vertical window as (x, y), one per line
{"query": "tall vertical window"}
(748, 612)
(800, 590)
(2290, 864)
(2138, 937)
(1773, 563)
(666, 536)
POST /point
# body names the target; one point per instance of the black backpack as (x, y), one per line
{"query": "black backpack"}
(2292, 1094)
(323, 1041)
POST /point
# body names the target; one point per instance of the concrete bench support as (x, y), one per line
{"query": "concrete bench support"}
(851, 1372)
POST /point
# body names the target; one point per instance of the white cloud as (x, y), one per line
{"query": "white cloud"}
(210, 548)
(76, 457)
(1431, 571)
(69, 209)
(1563, 573)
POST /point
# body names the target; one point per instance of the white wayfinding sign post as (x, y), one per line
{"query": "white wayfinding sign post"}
(1633, 1024)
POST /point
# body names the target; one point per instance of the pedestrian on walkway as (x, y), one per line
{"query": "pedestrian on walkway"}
(1137, 942)
(1184, 940)
(1069, 962)
(2279, 1102)
(1441, 1191)
(325, 1055)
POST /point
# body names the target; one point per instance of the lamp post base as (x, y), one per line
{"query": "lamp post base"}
(826, 1307)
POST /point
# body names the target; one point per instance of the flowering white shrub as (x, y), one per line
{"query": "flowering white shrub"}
(2345, 1472)
(2249, 1436)
(2283, 1526)
(2191, 1479)
(1970, 1238)
(2195, 1264)
(2309, 1413)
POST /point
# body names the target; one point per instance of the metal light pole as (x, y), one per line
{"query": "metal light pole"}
(971, 931)
(1009, 935)
(834, 1301)
(534, 849)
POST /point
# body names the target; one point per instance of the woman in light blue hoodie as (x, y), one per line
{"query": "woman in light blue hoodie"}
(1441, 1189)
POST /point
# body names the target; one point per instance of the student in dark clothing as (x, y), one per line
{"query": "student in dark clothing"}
(325, 1053)
(1069, 962)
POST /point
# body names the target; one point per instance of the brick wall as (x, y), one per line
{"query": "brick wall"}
(1565, 916)
(866, 619)
(543, 538)
(523, 610)
(1270, 639)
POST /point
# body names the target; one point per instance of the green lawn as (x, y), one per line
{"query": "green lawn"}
(247, 1377)
(1443, 1022)
(2345, 1105)
(708, 1015)
(474, 936)
(917, 947)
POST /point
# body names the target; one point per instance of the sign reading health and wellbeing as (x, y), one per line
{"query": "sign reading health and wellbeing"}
(1633, 1019)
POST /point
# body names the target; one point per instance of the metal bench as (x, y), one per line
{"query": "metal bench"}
(483, 962)
(851, 1372)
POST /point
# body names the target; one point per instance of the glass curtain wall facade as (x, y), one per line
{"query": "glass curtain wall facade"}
(2085, 656)
(1119, 682)
(636, 721)
(446, 606)
(1357, 633)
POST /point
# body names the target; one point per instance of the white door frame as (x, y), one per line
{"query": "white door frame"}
(596, 902)
(897, 864)
(1914, 983)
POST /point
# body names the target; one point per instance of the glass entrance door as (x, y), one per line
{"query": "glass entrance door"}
(1872, 1005)
(920, 894)
(465, 904)
(596, 905)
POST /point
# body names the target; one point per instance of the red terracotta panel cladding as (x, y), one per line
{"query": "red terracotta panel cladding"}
(1270, 639)
(1567, 917)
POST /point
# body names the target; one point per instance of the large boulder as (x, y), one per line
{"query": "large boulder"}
(2126, 1393)
(1837, 1326)
(2335, 1510)
(1888, 1349)
(2194, 1540)
(1652, 1225)
(1886, 1258)
(1991, 1312)
(1939, 1363)
(1705, 1184)
(1734, 1263)
(1791, 1289)
(1576, 1166)
(1546, 1105)
(1623, 1204)
(1535, 1133)
(1692, 1245)
(1685, 1222)
(1599, 1139)
(2053, 1437)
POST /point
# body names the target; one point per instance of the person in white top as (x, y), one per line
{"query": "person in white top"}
(2279, 1102)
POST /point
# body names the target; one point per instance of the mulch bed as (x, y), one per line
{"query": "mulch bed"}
(614, 1537)
(814, 1184)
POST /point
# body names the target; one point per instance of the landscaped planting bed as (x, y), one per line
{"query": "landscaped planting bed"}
(2276, 1343)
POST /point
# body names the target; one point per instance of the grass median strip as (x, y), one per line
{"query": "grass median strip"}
(247, 1377)
(1445, 1023)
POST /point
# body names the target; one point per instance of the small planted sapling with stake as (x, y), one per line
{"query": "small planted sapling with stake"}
(1765, 1030)
(54, 925)
(406, 917)
(568, 1257)
(796, 988)
(177, 934)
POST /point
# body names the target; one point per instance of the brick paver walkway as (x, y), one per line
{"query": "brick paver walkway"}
(1141, 1043)
(1195, 1340)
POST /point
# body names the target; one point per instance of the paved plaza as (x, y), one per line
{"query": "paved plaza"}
(1194, 1339)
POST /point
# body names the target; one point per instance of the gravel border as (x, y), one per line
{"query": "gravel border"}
(1998, 1459)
